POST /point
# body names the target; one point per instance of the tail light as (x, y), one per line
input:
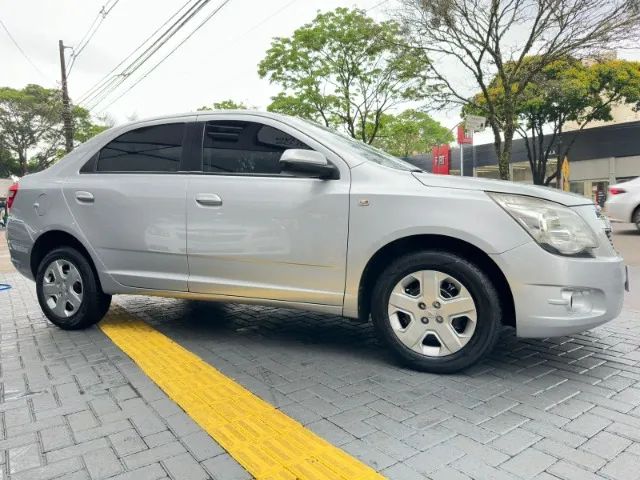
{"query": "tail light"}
(13, 193)
(616, 190)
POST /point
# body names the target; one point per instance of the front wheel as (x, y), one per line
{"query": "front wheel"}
(437, 311)
(68, 290)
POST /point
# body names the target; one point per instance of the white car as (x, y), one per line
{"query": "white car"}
(623, 203)
(252, 207)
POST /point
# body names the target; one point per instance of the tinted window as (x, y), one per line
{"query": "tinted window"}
(149, 149)
(245, 147)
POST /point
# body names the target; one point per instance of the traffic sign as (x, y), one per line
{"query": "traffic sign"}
(475, 123)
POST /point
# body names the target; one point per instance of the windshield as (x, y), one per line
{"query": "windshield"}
(366, 151)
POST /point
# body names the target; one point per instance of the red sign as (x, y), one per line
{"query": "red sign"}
(464, 136)
(441, 159)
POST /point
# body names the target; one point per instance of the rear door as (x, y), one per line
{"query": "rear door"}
(129, 201)
(255, 231)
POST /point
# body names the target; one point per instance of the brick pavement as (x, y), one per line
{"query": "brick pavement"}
(73, 406)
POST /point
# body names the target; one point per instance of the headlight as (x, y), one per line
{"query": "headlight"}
(556, 228)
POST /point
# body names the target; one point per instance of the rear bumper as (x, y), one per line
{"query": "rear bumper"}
(555, 295)
(20, 243)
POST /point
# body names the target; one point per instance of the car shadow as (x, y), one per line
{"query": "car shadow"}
(219, 327)
(632, 233)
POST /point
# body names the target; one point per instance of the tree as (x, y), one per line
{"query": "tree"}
(8, 164)
(567, 90)
(483, 39)
(31, 126)
(344, 70)
(409, 132)
(225, 105)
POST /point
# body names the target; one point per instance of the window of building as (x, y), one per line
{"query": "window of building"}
(245, 148)
(577, 187)
(157, 148)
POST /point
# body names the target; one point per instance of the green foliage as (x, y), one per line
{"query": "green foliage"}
(344, 70)
(566, 90)
(31, 128)
(409, 132)
(8, 164)
(225, 105)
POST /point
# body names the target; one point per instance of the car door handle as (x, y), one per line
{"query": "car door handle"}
(84, 197)
(209, 199)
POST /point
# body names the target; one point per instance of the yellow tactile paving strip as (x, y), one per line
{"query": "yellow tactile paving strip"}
(265, 441)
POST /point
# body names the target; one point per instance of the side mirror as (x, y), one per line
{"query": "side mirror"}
(308, 161)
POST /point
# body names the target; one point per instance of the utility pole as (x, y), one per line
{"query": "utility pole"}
(66, 103)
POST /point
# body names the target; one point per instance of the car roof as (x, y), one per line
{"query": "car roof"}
(171, 116)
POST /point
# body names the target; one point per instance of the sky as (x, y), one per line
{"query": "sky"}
(218, 62)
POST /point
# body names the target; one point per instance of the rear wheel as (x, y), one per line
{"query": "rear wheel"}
(636, 218)
(68, 290)
(437, 311)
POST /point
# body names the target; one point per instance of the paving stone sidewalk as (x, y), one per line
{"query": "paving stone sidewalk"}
(74, 406)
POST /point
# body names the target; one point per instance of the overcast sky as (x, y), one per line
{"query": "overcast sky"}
(217, 62)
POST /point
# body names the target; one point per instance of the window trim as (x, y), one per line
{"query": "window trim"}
(91, 165)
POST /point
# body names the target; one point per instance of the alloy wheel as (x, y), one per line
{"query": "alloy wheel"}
(432, 313)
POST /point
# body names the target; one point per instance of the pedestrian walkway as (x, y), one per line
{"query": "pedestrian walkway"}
(76, 405)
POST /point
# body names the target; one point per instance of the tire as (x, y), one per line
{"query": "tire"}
(480, 328)
(69, 291)
(635, 218)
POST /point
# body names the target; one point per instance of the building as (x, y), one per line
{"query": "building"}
(599, 157)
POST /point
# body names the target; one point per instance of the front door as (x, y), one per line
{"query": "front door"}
(254, 231)
(129, 202)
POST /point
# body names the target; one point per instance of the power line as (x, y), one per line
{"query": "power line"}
(109, 77)
(112, 80)
(379, 4)
(88, 36)
(150, 51)
(259, 24)
(209, 17)
(22, 51)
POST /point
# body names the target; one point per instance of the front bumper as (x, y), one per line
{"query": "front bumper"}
(556, 295)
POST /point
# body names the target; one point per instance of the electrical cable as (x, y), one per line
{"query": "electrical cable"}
(109, 76)
(17, 45)
(88, 36)
(209, 17)
(148, 53)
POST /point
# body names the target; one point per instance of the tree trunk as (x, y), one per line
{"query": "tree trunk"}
(504, 156)
(22, 160)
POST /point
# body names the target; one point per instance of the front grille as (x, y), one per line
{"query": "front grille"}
(601, 216)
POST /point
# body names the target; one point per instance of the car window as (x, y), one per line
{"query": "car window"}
(157, 148)
(245, 147)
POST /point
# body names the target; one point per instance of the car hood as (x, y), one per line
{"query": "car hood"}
(502, 186)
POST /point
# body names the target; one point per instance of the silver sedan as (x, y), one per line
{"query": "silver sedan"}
(260, 208)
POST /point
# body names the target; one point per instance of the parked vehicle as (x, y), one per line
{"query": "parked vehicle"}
(268, 209)
(623, 204)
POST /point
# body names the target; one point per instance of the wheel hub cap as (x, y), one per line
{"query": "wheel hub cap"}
(432, 313)
(62, 287)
